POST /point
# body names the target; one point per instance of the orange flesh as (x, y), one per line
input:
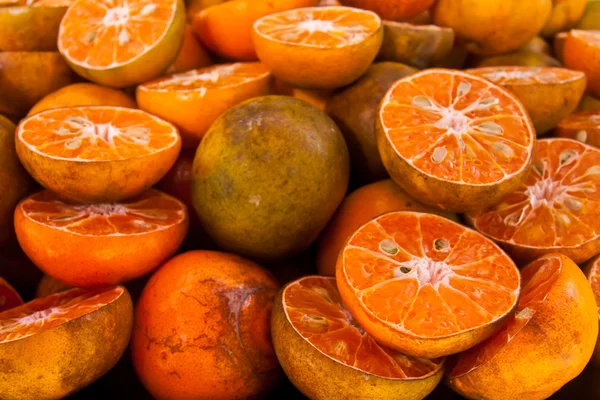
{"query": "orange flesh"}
(582, 120)
(557, 206)
(315, 310)
(149, 212)
(109, 33)
(457, 127)
(49, 312)
(429, 276)
(320, 26)
(214, 77)
(538, 279)
(96, 133)
(527, 75)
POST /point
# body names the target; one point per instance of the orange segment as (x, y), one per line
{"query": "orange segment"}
(555, 209)
(418, 284)
(583, 126)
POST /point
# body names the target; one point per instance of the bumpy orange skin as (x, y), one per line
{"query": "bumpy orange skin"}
(202, 329)
(583, 56)
(25, 28)
(564, 16)
(553, 348)
(492, 26)
(394, 10)
(60, 361)
(83, 94)
(359, 207)
(48, 286)
(192, 54)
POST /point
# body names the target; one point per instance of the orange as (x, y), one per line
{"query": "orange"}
(589, 103)
(48, 286)
(97, 153)
(86, 245)
(328, 356)
(582, 126)
(306, 47)
(226, 28)
(454, 140)
(359, 207)
(582, 52)
(9, 297)
(519, 58)
(591, 16)
(592, 272)
(202, 329)
(547, 342)
(558, 45)
(493, 26)
(548, 94)
(554, 210)
(59, 344)
(195, 6)
(394, 10)
(416, 45)
(456, 59)
(537, 45)
(30, 25)
(317, 98)
(424, 285)
(83, 94)
(192, 54)
(564, 16)
(193, 100)
(124, 43)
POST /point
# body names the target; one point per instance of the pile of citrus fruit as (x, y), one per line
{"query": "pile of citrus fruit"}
(353, 199)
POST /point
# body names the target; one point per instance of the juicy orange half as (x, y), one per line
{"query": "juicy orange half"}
(454, 140)
(557, 209)
(583, 126)
(9, 297)
(425, 285)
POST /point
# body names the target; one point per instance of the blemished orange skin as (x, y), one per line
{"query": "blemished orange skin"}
(226, 28)
(83, 94)
(591, 274)
(564, 16)
(202, 329)
(48, 286)
(583, 55)
(192, 54)
(492, 26)
(360, 206)
(550, 350)
(393, 10)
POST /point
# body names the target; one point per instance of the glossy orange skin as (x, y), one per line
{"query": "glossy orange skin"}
(583, 56)
(226, 28)
(394, 10)
(25, 28)
(192, 54)
(202, 329)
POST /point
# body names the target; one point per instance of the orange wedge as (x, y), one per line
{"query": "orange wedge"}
(581, 52)
(557, 208)
(97, 154)
(327, 355)
(453, 140)
(9, 297)
(592, 272)
(306, 47)
(548, 340)
(425, 285)
(548, 94)
(583, 126)
(121, 43)
(87, 245)
(193, 100)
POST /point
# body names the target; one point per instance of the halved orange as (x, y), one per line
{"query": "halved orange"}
(121, 43)
(548, 94)
(97, 153)
(453, 140)
(328, 356)
(86, 245)
(61, 343)
(9, 297)
(193, 100)
(306, 46)
(557, 209)
(592, 272)
(582, 126)
(425, 285)
(582, 52)
(548, 340)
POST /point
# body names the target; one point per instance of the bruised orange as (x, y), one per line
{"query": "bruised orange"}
(582, 126)
(582, 52)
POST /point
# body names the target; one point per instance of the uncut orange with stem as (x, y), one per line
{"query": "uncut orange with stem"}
(592, 272)
(548, 340)
(582, 126)
(453, 140)
(328, 355)
(425, 285)
(554, 210)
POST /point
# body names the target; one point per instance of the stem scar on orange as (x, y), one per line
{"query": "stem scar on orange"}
(548, 340)
(97, 153)
(425, 285)
(328, 356)
(583, 126)
(453, 140)
(121, 43)
(555, 210)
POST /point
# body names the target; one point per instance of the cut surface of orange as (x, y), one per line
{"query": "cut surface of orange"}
(97, 153)
(121, 43)
(583, 126)
(454, 140)
(555, 210)
(581, 51)
(9, 297)
(306, 46)
(425, 285)
(193, 100)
